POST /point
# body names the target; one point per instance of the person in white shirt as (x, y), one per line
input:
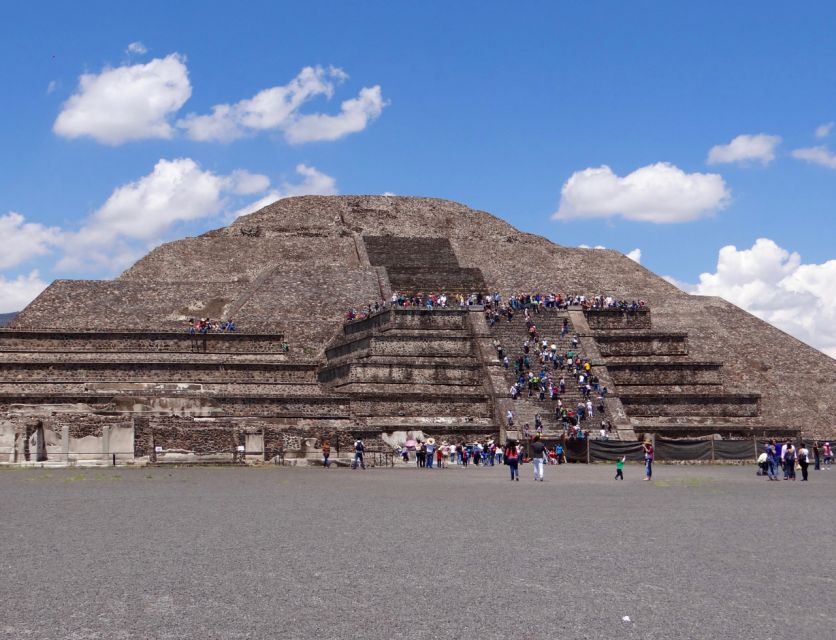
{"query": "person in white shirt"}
(803, 460)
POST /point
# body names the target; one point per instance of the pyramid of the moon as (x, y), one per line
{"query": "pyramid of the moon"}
(92, 368)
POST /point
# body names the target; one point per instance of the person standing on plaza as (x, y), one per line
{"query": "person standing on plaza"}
(326, 453)
(771, 461)
(439, 457)
(359, 451)
(619, 468)
(816, 457)
(827, 454)
(803, 461)
(429, 452)
(511, 457)
(537, 450)
(789, 461)
(648, 459)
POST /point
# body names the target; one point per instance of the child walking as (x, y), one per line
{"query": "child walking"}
(619, 468)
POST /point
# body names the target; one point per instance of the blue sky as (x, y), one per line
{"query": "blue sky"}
(511, 108)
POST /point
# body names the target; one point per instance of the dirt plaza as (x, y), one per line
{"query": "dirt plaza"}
(701, 552)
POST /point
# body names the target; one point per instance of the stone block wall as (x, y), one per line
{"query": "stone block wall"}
(609, 319)
(642, 344)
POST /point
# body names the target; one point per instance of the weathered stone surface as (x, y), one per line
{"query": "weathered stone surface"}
(103, 353)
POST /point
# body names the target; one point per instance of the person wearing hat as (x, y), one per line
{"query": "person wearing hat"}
(537, 450)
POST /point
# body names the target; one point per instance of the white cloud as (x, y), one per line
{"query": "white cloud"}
(776, 286)
(137, 47)
(244, 183)
(354, 116)
(660, 193)
(52, 86)
(23, 240)
(635, 255)
(138, 213)
(277, 109)
(816, 155)
(744, 149)
(313, 183)
(17, 293)
(126, 103)
(823, 130)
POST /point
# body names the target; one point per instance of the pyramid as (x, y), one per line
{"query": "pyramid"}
(93, 369)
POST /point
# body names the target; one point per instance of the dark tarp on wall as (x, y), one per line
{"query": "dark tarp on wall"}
(735, 450)
(605, 450)
(682, 449)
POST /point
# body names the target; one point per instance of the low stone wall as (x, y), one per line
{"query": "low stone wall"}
(408, 373)
(608, 319)
(665, 373)
(650, 344)
(712, 405)
(159, 372)
(423, 405)
(145, 341)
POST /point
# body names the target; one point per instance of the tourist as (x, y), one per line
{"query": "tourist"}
(619, 468)
(816, 457)
(827, 454)
(359, 450)
(537, 451)
(326, 453)
(771, 461)
(429, 451)
(439, 456)
(789, 461)
(560, 454)
(803, 461)
(648, 459)
(511, 456)
(510, 418)
(421, 455)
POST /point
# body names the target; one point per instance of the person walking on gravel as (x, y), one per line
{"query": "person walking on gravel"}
(537, 450)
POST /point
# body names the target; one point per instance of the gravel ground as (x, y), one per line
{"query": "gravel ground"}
(701, 552)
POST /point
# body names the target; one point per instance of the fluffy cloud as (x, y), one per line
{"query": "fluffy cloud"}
(776, 286)
(816, 155)
(660, 193)
(313, 183)
(137, 48)
(635, 255)
(277, 109)
(24, 240)
(354, 116)
(745, 149)
(823, 130)
(175, 191)
(126, 103)
(16, 293)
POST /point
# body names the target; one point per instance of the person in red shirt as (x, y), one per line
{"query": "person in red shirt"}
(648, 459)
(512, 459)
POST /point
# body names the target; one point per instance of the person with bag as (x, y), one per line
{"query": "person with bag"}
(537, 450)
(359, 450)
(803, 461)
(512, 459)
(789, 461)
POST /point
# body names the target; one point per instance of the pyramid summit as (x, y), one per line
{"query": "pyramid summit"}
(89, 364)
